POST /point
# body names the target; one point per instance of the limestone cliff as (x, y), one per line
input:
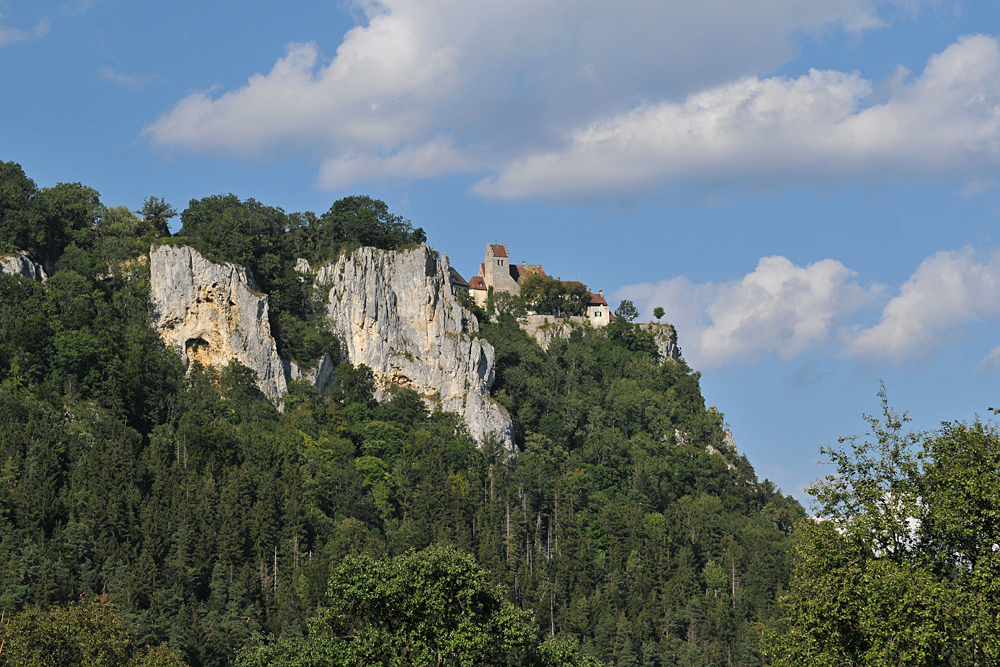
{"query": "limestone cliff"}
(22, 265)
(213, 313)
(394, 312)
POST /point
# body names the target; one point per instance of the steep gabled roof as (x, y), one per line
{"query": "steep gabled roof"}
(596, 300)
(477, 283)
(498, 250)
(456, 278)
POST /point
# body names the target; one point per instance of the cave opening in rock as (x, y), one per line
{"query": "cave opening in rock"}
(197, 349)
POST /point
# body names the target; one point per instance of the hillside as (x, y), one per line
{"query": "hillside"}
(212, 504)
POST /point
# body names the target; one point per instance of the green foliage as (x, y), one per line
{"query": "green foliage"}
(658, 313)
(44, 222)
(157, 213)
(350, 223)
(434, 607)
(82, 634)
(616, 530)
(902, 569)
(627, 311)
(212, 518)
(545, 294)
(17, 220)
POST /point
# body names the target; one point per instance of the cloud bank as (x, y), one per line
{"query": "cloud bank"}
(784, 309)
(560, 99)
(818, 127)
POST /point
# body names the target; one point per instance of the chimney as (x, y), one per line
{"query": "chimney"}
(601, 292)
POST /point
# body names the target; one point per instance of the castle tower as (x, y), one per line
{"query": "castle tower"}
(496, 269)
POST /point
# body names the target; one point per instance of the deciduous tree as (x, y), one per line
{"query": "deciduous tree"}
(900, 567)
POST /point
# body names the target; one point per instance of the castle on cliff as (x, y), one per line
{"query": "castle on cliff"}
(497, 272)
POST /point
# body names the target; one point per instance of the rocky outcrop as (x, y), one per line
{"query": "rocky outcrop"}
(546, 328)
(22, 265)
(213, 313)
(665, 337)
(394, 312)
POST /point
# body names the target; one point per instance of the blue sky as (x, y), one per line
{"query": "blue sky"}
(808, 187)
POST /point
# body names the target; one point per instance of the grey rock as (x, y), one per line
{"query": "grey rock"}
(546, 328)
(213, 313)
(395, 313)
(665, 337)
(392, 311)
(22, 265)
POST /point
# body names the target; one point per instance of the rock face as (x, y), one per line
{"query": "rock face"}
(213, 313)
(394, 312)
(546, 328)
(21, 265)
(665, 337)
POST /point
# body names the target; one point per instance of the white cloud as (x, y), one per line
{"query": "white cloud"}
(819, 127)
(13, 35)
(428, 160)
(778, 308)
(784, 309)
(497, 77)
(947, 292)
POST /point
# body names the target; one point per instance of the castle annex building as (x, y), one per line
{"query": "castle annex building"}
(497, 272)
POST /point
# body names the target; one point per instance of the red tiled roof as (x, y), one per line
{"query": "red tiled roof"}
(597, 300)
(498, 250)
(477, 283)
(611, 317)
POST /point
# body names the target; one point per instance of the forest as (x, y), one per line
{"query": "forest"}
(157, 515)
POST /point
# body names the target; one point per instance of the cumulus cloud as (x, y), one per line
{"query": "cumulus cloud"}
(13, 35)
(820, 126)
(778, 308)
(784, 309)
(947, 292)
(498, 78)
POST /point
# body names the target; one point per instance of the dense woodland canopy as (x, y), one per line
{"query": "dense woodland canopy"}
(626, 528)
